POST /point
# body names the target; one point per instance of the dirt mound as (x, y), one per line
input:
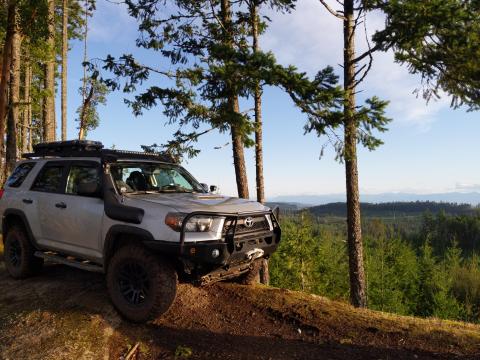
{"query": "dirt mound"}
(65, 313)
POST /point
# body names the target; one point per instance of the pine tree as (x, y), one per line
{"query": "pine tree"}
(214, 66)
(14, 94)
(440, 41)
(64, 67)
(49, 80)
(5, 78)
(357, 127)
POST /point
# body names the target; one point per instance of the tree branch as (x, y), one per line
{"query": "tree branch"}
(331, 11)
(369, 53)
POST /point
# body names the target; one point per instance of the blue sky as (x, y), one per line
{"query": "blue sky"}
(428, 148)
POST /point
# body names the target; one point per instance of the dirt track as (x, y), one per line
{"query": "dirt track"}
(65, 313)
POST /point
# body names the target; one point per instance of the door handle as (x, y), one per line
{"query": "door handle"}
(27, 201)
(61, 205)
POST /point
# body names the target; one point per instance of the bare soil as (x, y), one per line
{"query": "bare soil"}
(65, 313)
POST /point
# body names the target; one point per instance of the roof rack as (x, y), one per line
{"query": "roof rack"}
(88, 148)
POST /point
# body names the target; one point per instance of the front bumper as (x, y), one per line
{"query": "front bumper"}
(234, 248)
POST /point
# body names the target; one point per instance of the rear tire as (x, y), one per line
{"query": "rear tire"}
(252, 276)
(19, 254)
(141, 285)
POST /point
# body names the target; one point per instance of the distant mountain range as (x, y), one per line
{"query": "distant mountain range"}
(472, 198)
(394, 209)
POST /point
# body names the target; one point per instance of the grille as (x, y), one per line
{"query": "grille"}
(259, 223)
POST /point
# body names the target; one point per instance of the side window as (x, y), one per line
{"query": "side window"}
(49, 179)
(19, 175)
(81, 174)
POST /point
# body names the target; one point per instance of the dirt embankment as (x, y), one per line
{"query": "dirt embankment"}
(65, 314)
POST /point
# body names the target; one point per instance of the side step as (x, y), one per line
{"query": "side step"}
(70, 261)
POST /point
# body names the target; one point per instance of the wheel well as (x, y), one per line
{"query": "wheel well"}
(12, 220)
(117, 240)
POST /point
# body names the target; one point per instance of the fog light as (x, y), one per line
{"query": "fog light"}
(215, 253)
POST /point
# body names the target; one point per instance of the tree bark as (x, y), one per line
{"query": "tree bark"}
(237, 136)
(49, 100)
(355, 245)
(5, 80)
(258, 114)
(14, 95)
(64, 68)
(82, 126)
(239, 159)
(27, 108)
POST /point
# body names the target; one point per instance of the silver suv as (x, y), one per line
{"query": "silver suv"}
(139, 218)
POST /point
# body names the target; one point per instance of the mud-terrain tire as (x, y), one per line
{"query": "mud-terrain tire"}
(252, 276)
(18, 254)
(142, 286)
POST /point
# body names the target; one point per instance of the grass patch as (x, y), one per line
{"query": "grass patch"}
(339, 322)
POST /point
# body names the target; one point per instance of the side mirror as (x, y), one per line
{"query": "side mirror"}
(90, 188)
(204, 186)
(213, 188)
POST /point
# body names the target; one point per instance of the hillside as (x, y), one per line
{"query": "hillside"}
(394, 209)
(65, 314)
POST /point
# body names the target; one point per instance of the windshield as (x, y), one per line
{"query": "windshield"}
(153, 177)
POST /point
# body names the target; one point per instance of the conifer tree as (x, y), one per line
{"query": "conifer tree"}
(213, 66)
(357, 124)
(49, 125)
(440, 41)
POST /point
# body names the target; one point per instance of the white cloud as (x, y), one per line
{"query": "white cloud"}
(467, 187)
(311, 38)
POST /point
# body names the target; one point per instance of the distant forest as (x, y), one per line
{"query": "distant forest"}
(426, 265)
(394, 209)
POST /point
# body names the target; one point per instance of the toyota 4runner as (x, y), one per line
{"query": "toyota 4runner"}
(139, 218)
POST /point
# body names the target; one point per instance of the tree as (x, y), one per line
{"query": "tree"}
(228, 34)
(49, 99)
(254, 6)
(213, 66)
(27, 104)
(438, 39)
(95, 94)
(64, 67)
(358, 124)
(6, 65)
(14, 95)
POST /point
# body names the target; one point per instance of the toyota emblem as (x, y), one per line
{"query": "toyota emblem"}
(248, 222)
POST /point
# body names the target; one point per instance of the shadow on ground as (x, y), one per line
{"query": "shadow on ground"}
(64, 313)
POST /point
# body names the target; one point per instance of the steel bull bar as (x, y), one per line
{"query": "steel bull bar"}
(232, 219)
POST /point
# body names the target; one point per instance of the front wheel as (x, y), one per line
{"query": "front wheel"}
(141, 285)
(19, 254)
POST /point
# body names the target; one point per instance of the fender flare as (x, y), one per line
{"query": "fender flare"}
(26, 224)
(115, 230)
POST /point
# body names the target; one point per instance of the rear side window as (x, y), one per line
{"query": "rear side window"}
(19, 174)
(49, 179)
(80, 174)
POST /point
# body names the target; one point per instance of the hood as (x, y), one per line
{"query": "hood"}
(188, 202)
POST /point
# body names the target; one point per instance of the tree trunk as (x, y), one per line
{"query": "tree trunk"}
(64, 69)
(239, 157)
(237, 136)
(49, 100)
(27, 108)
(355, 246)
(13, 113)
(258, 114)
(5, 80)
(81, 130)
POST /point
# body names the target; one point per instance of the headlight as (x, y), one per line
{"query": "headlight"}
(194, 224)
